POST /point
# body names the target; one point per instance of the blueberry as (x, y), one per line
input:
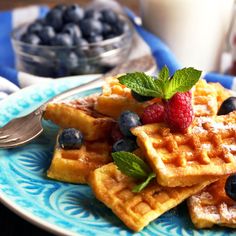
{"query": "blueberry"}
(109, 16)
(90, 27)
(47, 34)
(230, 186)
(128, 120)
(127, 145)
(71, 61)
(54, 19)
(73, 30)
(139, 97)
(70, 138)
(84, 68)
(120, 27)
(31, 39)
(80, 53)
(34, 28)
(81, 43)
(94, 14)
(62, 39)
(74, 13)
(106, 29)
(227, 106)
(95, 38)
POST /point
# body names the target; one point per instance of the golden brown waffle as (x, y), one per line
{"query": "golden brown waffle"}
(136, 210)
(116, 98)
(75, 165)
(208, 149)
(212, 206)
(207, 98)
(222, 93)
(80, 114)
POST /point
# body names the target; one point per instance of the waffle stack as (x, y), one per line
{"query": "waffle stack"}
(184, 164)
(74, 165)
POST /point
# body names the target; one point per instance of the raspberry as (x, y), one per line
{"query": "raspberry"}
(116, 133)
(179, 111)
(188, 93)
(153, 114)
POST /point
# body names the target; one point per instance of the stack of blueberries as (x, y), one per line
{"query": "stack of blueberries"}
(76, 34)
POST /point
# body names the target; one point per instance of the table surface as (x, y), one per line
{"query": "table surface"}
(10, 223)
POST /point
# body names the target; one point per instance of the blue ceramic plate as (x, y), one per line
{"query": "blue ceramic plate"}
(64, 208)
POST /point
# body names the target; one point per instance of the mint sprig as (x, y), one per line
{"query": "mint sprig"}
(182, 81)
(164, 86)
(141, 83)
(133, 166)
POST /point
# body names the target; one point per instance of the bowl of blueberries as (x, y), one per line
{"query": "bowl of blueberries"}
(71, 40)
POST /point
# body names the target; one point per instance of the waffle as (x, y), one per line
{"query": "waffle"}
(222, 93)
(80, 114)
(207, 98)
(207, 149)
(212, 206)
(116, 98)
(136, 210)
(75, 165)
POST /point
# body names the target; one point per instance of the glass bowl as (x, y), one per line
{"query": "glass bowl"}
(61, 61)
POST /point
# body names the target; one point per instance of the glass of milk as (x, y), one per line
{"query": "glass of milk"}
(195, 30)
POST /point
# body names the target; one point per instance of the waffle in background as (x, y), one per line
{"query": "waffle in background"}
(74, 165)
(208, 97)
(208, 149)
(212, 206)
(115, 98)
(80, 114)
(136, 210)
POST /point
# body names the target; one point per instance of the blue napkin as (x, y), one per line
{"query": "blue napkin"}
(13, 78)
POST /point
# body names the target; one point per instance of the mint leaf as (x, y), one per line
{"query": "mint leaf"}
(164, 74)
(131, 165)
(182, 81)
(141, 186)
(141, 83)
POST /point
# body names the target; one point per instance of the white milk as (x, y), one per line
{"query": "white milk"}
(195, 30)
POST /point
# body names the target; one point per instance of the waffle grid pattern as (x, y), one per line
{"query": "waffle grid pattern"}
(206, 150)
(136, 210)
(74, 165)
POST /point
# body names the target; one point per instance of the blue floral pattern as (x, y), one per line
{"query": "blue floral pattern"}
(63, 207)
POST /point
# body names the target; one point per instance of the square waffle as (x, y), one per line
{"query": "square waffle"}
(115, 98)
(136, 210)
(74, 165)
(212, 206)
(207, 149)
(80, 114)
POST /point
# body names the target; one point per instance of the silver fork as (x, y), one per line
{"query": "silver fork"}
(24, 129)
